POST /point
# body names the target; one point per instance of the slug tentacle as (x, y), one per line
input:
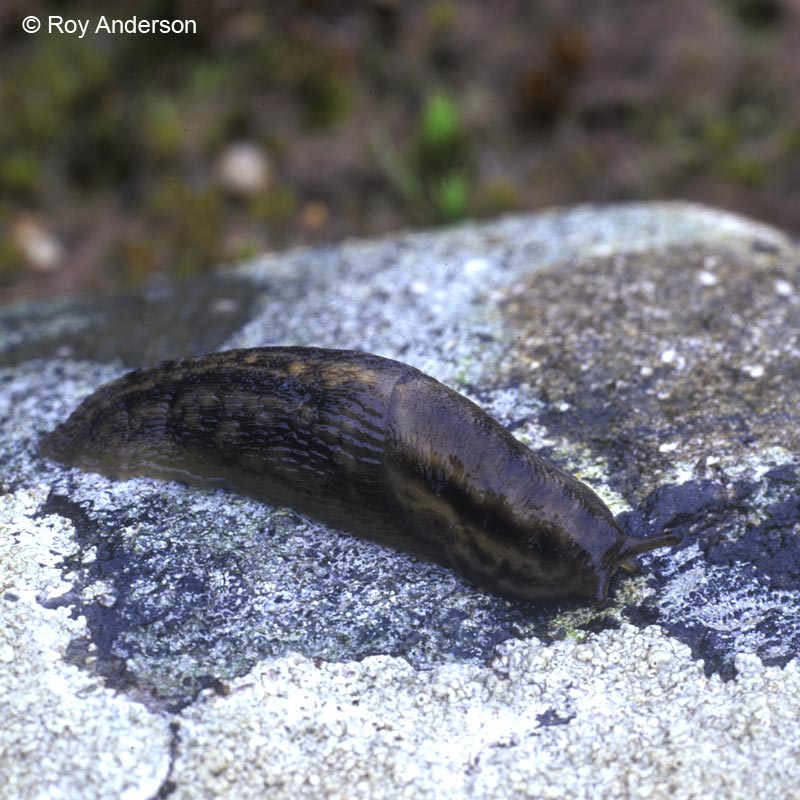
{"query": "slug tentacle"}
(361, 443)
(633, 547)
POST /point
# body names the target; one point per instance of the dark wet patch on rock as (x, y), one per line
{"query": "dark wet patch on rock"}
(773, 546)
(737, 590)
(164, 320)
(176, 598)
(691, 506)
(188, 599)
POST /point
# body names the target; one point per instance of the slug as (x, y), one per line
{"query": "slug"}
(360, 443)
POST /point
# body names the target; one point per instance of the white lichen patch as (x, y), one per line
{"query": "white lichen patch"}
(752, 467)
(607, 717)
(63, 734)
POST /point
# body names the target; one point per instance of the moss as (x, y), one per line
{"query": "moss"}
(449, 196)
(321, 82)
(497, 196)
(325, 99)
(162, 127)
(790, 140)
(744, 170)
(48, 83)
(441, 16)
(720, 135)
(206, 78)
(20, 175)
(135, 260)
(233, 124)
(276, 205)
(439, 161)
(756, 15)
(440, 144)
(190, 223)
(11, 262)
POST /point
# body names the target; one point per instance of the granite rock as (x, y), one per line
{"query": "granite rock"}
(164, 640)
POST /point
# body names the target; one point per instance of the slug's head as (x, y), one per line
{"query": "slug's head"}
(568, 542)
(551, 539)
(542, 561)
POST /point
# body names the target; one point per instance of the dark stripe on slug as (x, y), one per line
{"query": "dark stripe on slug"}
(487, 516)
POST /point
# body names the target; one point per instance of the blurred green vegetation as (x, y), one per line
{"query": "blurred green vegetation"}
(358, 118)
(433, 174)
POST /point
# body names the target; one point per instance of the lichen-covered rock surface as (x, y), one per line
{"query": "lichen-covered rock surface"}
(164, 641)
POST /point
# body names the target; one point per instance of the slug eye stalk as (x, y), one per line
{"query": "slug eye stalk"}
(632, 547)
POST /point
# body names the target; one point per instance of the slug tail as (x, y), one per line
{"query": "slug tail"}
(55, 446)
